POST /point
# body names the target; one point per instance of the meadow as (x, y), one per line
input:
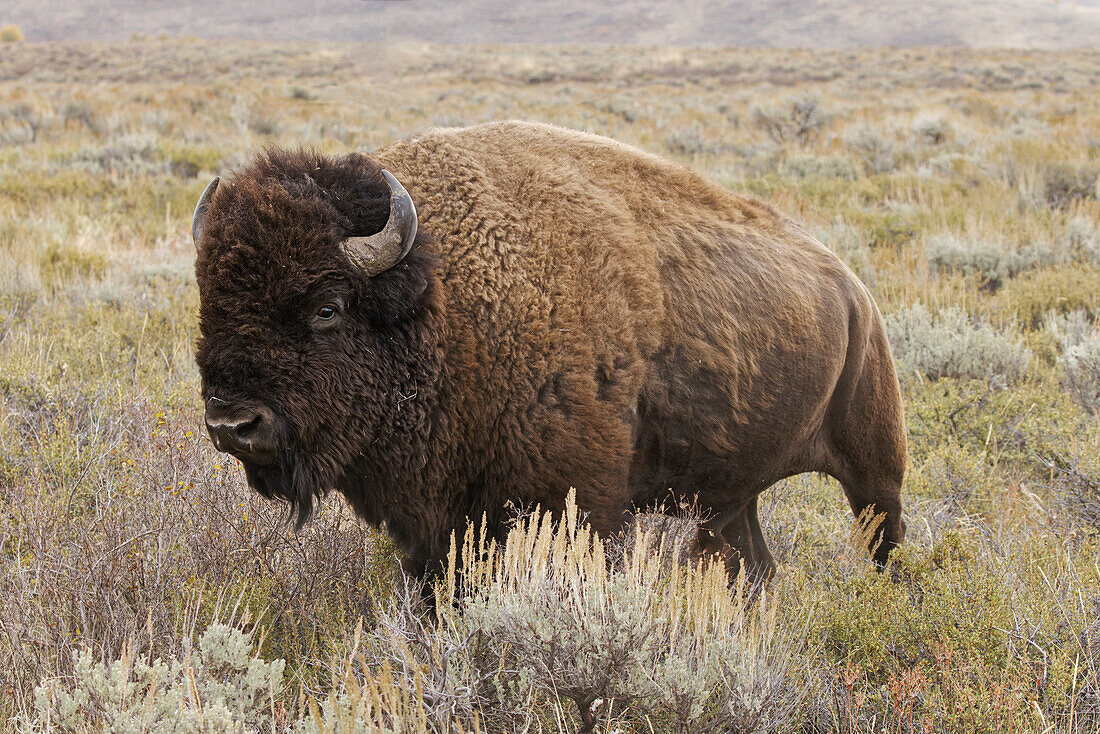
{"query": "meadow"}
(143, 588)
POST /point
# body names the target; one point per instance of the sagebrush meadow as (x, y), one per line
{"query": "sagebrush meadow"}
(143, 587)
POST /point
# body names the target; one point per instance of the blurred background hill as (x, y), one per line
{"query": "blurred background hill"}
(777, 23)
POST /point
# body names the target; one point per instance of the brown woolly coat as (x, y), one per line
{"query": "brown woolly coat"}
(575, 313)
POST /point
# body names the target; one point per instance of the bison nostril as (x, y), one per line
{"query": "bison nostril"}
(246, 432)
(249, 426)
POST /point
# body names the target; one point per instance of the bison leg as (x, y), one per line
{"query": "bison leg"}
(743, 535)
(715, 544)
(740, 542)
(765, 563)
(878, 493)
(868, 443)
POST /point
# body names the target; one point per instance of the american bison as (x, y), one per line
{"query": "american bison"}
(477, 319)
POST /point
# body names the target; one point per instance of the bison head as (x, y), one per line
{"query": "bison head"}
(316, 300)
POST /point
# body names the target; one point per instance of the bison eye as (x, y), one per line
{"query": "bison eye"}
(327, 315)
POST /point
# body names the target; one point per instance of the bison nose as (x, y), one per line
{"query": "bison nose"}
(247, 432)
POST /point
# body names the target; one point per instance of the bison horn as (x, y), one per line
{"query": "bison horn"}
(199, 219)
(380, 252)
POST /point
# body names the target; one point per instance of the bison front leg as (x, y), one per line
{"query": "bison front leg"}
(744, 537)
(740, 545)
(764, 566)
(422, 573)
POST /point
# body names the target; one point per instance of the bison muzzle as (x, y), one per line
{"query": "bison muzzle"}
(478, 319)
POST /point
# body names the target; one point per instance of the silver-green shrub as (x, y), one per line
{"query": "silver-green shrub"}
(798, 119)
(993, 263)
(214, 686)
(931, 130)
(1082, 239)
(1080, 358)
(556, 624)
(947, 164)
(571, 628)
(806, 165)
(135, 154)
(952, 344)
(688, 141)
(422, 675)
(1072, 329)
(879, 154)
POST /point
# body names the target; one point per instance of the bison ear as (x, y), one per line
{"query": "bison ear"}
(199, 219)
(377, 253)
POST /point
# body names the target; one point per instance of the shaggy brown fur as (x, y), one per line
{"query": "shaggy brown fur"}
(574, 313)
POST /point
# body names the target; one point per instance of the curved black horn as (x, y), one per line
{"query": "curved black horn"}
(199, 217)
(380, 252)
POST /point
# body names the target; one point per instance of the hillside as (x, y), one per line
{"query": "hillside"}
(770, 23)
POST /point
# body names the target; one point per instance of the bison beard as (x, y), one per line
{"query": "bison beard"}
(482, 318)
(289, 481)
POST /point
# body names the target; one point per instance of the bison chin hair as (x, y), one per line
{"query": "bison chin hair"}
(289, 481)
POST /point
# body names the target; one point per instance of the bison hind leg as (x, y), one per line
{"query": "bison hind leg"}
(875, 497)
(867, 443)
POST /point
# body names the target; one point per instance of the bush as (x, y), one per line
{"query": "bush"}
(1082, 240)
(801, 120)
(125, 514)
(878, 153)
(80, 113)
(1074, 468)
(10, 34)
(951, 344)
(889, 228)
(992, 263)
(250, 118)
(1067, 184)
(1081, 362)
(850, 245)
(964, 638)
(690, 142)
(187, 161)
(931, 130)
(24, 122)
(807, 165)
(956, 475)
(130, 155)
(62, 262)
(949, 164)
(216, 685)
(955, 423)
(882, 623)
(545, 628)
(558, 617)
(1072, 329)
